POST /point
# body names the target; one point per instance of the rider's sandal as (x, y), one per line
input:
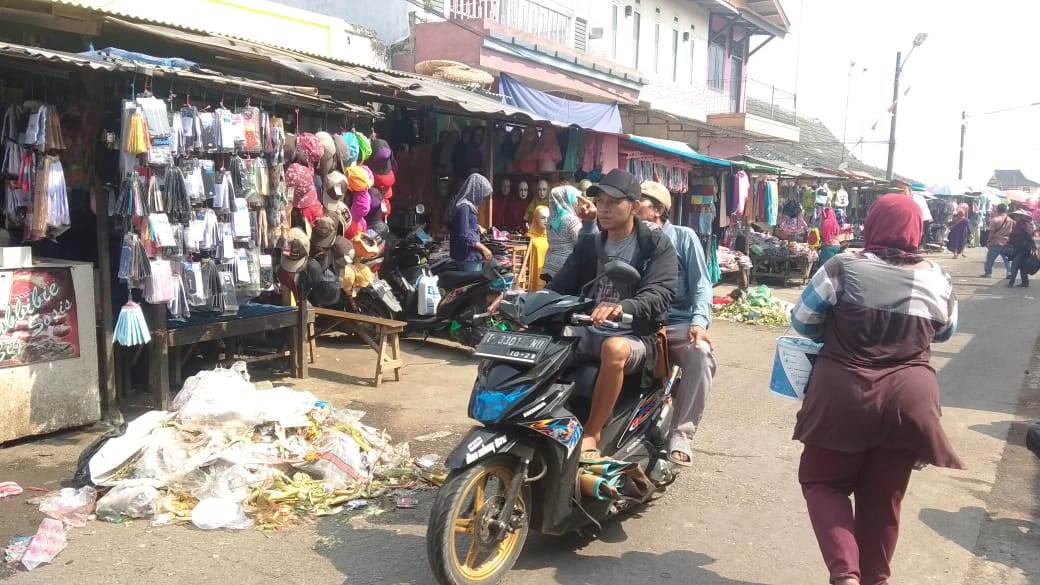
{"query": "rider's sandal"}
(679, 445)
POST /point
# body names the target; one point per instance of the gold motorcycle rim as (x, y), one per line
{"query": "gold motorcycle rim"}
(473, 559)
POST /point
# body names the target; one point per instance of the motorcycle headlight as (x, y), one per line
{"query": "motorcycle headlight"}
(488, 406)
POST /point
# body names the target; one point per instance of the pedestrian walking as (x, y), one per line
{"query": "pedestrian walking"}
(465, 247)
(1023, 245)
(959, 232)
(871, 410)
(999, 227)
(564, 227)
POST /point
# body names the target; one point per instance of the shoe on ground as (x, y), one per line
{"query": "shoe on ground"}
(986, 276)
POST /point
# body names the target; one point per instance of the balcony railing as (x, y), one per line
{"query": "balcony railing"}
(771, 102)
(542, 18)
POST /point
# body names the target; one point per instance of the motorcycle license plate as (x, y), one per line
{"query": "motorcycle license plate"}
(520, 348)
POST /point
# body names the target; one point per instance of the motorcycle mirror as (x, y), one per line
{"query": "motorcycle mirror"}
(621, 272)
(420, 209)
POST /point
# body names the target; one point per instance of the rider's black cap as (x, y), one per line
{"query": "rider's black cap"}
(617, 184)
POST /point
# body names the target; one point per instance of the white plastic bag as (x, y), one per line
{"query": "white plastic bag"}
(216, 513)
(118, 450)
(226, 396)
(69, 505)
(429, 295)
(128, 501)
(340, 462)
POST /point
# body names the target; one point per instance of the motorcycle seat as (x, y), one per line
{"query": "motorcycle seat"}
(453, 279)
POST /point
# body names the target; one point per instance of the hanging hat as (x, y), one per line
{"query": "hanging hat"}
(289, 147)
(358, 179)
(309, 148)
(381, 161)
(342, 253)
(353, 148)
(322, 293)
(294, 253)
(335, 185)
(364, 147)
(342, 151)
(340, 214)
(301, 180)
(347, 278)
(365, 247)
(323, 234)
(327, 161)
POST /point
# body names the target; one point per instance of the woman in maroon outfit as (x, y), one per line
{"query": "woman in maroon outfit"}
(871, 411)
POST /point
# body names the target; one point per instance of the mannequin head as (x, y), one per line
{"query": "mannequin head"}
(523, 189)
(507, 187)
(542, 217)
(543, 190)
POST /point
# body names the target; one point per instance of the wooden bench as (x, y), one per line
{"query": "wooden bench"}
(387, 344)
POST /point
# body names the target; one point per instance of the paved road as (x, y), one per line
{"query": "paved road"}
(737, 518)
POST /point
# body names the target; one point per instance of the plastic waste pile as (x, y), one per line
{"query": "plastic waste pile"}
(756, 306)
(230, 455)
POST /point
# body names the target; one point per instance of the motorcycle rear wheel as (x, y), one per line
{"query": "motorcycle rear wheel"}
(465, 505)
(367, 303)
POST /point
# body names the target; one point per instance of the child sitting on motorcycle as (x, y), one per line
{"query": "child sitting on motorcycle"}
(622, 237)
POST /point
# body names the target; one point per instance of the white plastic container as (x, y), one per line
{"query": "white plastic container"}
(792, 365)
(429, 295)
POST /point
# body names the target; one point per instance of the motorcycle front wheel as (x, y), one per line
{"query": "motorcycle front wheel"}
(462, 543)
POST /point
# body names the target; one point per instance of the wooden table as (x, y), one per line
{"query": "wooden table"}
(182, 339)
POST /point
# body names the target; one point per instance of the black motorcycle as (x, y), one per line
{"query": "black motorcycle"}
(464, 296)
(520, 469)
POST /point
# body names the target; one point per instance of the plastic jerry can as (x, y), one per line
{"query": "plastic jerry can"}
(429, 295)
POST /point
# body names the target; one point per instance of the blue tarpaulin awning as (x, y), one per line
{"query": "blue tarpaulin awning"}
(680, 149)
(598, 117)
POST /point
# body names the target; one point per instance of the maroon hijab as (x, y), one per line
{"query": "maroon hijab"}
(893, 229)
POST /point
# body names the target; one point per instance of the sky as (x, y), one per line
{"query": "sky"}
(979, 57)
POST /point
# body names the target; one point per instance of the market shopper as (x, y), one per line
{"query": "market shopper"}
(1000, 227)
(1023, 245)
(829, 230)
(564, 227)
(871, 410)
(689, 317)
(650, 252)
(957, 239)
(465, 247)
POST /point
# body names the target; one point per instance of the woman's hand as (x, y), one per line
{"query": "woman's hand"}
(484, 251)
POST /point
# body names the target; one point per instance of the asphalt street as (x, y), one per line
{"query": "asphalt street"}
(736, 518)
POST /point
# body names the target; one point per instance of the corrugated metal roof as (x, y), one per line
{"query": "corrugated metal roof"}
(305, 95)
(389, 84)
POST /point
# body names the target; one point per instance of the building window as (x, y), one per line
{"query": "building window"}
(716, 66)
(675, 56)
(613, 31)
(636, 25)
(657, 48)
(581, 34)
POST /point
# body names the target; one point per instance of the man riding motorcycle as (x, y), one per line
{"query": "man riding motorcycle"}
(689, 346)
(623, 237)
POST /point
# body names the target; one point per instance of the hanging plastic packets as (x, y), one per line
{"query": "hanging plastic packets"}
(178, 201)
(266, 272)
(209, 178)
(158, 287)
(194, 284)
(223, 191)
(134, 265)
(208, 132)
(161, 232)
(193, 236)
(227, 242)
(155, 200)
(131, 327)
(137, 140)
(191, 131)
(40, 205)
(130, 202)
(193, 182)
(240, 218)
(228, 296)
(58, 218)
(179, 308)
(211, 230)
(241, 266)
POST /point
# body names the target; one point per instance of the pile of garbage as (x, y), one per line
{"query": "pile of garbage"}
(230, 455)
(755, 306)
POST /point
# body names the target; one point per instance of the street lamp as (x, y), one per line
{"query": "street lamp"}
(900, 63)
(964, 129)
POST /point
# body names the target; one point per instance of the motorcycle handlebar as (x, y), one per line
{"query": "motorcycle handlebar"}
(624, 323)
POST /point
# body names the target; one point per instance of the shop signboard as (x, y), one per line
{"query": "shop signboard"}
(37, 316)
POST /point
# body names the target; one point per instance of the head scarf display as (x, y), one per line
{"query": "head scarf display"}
(536, 229)
(893, 228)
(829, 228)
(472, 193)
(564, 199)
(364, 146)
(382, 159)
(353, 148)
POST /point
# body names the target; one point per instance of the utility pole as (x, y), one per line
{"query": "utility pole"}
(964, 129)
(895, 109)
